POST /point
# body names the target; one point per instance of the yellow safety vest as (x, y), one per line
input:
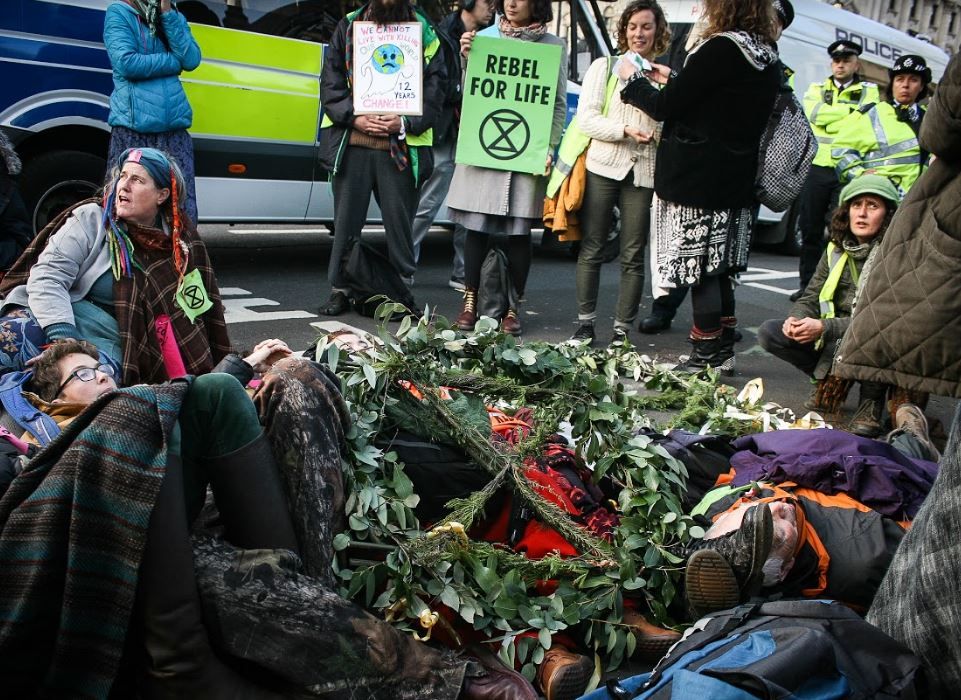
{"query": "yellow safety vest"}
(838, 258)
(825, 106)
(877, 140)
(575, 142)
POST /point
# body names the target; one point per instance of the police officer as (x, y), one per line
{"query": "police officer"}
(826, 104)
(883, 138)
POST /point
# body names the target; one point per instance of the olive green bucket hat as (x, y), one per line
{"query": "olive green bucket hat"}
(870, 184)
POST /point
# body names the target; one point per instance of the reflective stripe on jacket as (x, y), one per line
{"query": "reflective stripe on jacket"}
(825, 113)
(876, 140)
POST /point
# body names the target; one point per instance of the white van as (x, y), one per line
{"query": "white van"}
(803, 48)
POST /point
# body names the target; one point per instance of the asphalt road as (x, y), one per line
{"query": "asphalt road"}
(273, 280)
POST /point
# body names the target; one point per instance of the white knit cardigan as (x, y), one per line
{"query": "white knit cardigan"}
(611, 153)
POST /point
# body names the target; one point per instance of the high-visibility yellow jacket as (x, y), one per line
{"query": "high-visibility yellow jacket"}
(825, 106)
(874, 139)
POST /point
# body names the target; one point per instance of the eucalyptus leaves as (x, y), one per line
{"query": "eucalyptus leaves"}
(407, 574)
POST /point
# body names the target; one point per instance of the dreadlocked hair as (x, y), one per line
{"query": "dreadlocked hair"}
(832, 392)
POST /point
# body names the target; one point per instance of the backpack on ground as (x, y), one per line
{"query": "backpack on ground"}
(439, 473)
(369, 275)
(799, 649)
(496, 294)
(788, 147)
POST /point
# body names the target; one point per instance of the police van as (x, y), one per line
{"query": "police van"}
(803, 48)
(255, 99)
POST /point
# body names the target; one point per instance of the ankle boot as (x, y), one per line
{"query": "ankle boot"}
(708, 352)
(866, 421)
(468, 315)
(709, 585)
(246, 486)
(179, 662)
(511, 323)
(728, 338)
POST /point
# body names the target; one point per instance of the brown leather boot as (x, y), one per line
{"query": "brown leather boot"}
(564, 675)
(511, 323)
(494, 682)
(468, 315)
(652, 641)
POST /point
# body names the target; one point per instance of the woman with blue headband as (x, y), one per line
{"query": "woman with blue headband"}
(128, 273)
(149, 44)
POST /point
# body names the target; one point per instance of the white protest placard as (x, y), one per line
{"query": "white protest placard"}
(388, 71)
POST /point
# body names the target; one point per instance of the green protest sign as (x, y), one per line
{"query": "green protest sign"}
(508, 104)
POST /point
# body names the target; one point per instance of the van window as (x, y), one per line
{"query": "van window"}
(311, 20)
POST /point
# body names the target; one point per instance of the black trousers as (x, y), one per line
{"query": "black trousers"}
(364, 171)
(804, 356)
(818, 201)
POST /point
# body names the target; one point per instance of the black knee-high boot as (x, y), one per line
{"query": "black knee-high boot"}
(250, 497)
(179, 661)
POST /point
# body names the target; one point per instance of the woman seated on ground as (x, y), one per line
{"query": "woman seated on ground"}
(808, 338)
(130, 275)
(121, 484)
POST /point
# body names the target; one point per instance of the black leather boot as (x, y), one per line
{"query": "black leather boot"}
(179, 662)
(250, 498)
(710, 352)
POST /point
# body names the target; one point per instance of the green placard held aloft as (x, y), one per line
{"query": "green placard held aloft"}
(508, 104)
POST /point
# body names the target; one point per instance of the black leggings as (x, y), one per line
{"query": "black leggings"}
(518, 249)
(712, 299)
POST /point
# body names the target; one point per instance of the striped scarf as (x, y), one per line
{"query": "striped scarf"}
(73, 528)
(149, 11)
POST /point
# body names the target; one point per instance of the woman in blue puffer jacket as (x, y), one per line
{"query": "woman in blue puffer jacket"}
(149, 44)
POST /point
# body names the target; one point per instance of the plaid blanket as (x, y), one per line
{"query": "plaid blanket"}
(72, 533)
(919, 601)
(140, 300)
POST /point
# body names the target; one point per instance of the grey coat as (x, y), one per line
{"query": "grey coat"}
(907, 319)
(75, 257)
(504, 193)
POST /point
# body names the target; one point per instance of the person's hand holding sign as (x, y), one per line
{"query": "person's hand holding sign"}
(550, 163)
(368, 124)
(390, 123)
(466, 39)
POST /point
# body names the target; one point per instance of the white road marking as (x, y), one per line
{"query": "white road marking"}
(239, 311)
(754, 276)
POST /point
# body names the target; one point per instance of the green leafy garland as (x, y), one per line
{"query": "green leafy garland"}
(393, 566)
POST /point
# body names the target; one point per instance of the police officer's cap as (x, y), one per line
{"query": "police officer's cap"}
(911, 64)
(844, 47)
(784, 11)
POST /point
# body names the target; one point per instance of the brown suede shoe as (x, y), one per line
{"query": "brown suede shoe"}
(564, 675)
(652, 641)
(494, 682)
(468, 315)
(510, 323)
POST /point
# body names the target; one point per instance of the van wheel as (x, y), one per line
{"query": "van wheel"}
(56, 180)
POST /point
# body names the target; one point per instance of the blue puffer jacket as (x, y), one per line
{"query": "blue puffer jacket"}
(147, 94)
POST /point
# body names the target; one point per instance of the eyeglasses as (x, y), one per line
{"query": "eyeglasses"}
(86, 374)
